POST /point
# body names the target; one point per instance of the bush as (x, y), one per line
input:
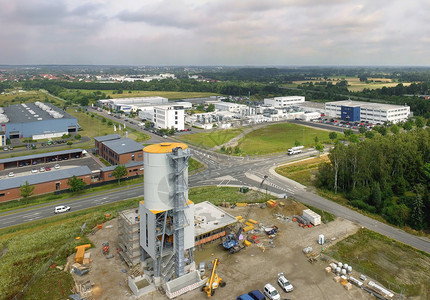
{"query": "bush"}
(69, 143)
(77, 137)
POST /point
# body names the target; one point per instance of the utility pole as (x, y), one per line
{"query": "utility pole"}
(249, 103)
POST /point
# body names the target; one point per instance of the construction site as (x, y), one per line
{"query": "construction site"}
(170, 247)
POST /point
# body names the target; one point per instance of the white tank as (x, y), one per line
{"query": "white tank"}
(158, 175)
(343, 272)
(321, 239)
(349, 269)
(345, 266)
(338, 270)
(339, 264)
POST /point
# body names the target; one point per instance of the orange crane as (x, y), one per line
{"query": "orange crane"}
(214, 281)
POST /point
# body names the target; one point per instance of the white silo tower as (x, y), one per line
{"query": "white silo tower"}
(166, 214)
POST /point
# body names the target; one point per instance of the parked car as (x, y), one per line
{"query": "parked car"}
(244, 297)
(34, 170)
(42, 169)
(11, 174)
(10, 148)
(48, 169)
(5, 148)
(271, 292)
(21, 164)
(61, 209)
(34, 162)
(256, 295)
(284, 283)
(57, 166)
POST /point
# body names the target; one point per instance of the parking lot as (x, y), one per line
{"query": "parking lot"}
(63, 164)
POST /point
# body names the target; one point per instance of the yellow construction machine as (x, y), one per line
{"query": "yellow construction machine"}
(214, 281)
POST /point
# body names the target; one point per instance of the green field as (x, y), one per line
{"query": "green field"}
(302, 171)
(27, 97)
(280, 137)
(395, 265)
(169, 95)
(210, 139)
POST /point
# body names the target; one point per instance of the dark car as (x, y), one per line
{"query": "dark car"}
(256, 295)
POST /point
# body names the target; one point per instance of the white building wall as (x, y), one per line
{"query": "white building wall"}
(284, 101)
(167, 117)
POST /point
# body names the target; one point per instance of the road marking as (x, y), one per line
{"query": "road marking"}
(30, 215)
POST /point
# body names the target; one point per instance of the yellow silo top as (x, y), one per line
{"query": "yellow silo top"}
(164, 147)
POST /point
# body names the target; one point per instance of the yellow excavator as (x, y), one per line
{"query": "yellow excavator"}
(214, 281)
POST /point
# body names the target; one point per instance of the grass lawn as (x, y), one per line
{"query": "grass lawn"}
(169, 95)
(210, 139)
(397, 266)
(194, 165)
(302, 171)
(217, 195)
(279, 137)
(27, 97)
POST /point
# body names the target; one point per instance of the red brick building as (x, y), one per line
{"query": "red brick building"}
(43, 183)
(118, 151)
(133, 168)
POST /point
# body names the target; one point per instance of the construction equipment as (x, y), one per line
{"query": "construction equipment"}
(214, 281)
(105, 248)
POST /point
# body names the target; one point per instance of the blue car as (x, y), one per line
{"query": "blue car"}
(256, 295)
(244, 297)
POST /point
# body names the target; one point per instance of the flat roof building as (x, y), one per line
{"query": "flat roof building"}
(367, 111)
(168, 117)
(47, 182)
(118, 150)
(279, 102)
(36, 120)
(128, 105)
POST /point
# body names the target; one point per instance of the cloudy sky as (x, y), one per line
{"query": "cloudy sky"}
(215, 32)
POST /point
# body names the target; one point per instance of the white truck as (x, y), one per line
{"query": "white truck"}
(295, 150)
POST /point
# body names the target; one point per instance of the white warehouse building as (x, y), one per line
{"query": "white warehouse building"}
(366, 111)
(128, 105)
(279, 102)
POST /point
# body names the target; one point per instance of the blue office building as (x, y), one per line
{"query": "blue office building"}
(350, 113)
(36, 120)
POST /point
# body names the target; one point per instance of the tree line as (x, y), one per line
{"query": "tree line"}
(387, 175)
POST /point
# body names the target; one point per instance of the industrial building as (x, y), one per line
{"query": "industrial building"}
(43, 183)
(366, 111)
(117, 150)
(128, 236)
(36, 120)
(279, 102)
(128, 105)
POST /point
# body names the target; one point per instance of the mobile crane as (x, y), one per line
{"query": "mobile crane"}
(214, 281)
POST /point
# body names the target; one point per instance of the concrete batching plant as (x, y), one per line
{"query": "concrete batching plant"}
(166, 215)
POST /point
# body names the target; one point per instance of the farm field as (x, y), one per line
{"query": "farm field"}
(354, 83)
(279, 137)
(169, 95)
(210, 139)
(395, 265)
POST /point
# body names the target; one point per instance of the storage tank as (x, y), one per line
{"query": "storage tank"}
(349, 269)
(345, 266)
(321, 239)
(159, 179)
(338, 270)
(343, 272)
(339, 264)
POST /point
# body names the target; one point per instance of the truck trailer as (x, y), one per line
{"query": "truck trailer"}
(295, 150)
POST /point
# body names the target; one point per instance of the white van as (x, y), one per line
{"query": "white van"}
(60, 209)
(271, 292)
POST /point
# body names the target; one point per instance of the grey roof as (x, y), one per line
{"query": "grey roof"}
(47, 176)
(109, 137)
(127, 165)
(41, 155)
(124, 145)
(208, 217)
(19, 114)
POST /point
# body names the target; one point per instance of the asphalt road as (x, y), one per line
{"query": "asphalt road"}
(223, 170)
